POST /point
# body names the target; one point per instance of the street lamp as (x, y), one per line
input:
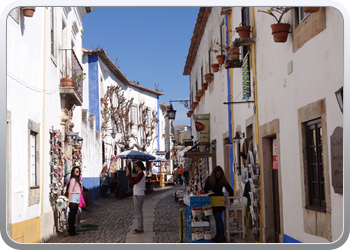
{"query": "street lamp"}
(237, 137)
(171, 112)
(72, 136)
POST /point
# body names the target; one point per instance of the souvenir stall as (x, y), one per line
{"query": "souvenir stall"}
(198, 205)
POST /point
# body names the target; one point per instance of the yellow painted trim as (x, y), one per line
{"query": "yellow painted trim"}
(256, 118)
(28, 231)
(43, 122)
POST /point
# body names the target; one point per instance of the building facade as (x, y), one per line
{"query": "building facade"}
(280, 100)
(41, 50)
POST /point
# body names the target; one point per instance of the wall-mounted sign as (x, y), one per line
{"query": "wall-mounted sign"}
(337, 159)
(202, 124)
(274, 155)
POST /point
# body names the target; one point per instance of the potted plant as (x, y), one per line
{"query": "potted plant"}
(208, 77)
(233, 53)
(243, 31)
(194, 105)
(67, 82)
(279, 30)
(164, 135)
(200, 92)
(215, 67)
(190, 112)
(140, 125)
(28, 11)
(204, 86)
(198, 98)
(106, 104)
(221, 59)
(311, 9)
(153, 127)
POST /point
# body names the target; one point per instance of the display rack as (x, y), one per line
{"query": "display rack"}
(235, 225)
(191, 202)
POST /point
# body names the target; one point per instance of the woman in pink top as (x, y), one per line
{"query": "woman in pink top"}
(73, 199)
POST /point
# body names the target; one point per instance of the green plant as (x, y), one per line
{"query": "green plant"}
(274, 10)
(79, 77)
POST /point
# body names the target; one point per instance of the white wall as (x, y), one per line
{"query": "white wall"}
(317, 74)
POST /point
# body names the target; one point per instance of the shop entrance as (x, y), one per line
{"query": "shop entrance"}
(275, 188)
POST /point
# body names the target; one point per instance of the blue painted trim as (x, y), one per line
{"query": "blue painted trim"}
(94, 98)
(94, 186)
(229, 111)
(288, 239)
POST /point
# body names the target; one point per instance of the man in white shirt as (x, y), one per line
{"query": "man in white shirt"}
(154, 169)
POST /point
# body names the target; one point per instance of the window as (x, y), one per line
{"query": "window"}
(300, 15)
(222, 36)
(133, 113)
(33, 166)
(52, 31)
(148, 118)
(315, 172)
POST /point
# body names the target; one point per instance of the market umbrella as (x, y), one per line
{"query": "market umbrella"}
(136, 155)
(158, 158)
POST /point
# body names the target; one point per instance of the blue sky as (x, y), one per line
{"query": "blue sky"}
(149, 44)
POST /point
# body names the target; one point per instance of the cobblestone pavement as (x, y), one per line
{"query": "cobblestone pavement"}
(114, 217)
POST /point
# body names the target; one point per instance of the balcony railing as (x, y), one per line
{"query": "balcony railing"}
(72, 72)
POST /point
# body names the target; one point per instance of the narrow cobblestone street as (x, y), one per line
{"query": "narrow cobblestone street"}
(115, 217)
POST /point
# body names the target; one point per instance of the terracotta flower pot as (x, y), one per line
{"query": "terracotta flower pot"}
(140, 125)
(233, 53)
(66, 82)
(200, 92)
(208, 77)
(190, 112)
(243, 31)
(221, 59)
(215, 67)
(204, 85)
(28, 11)
(198, 99)
(164, 135)
(103, 100)
(153, 127)
(106, 104)
(280, 32)
(311, 9)
(194, 104)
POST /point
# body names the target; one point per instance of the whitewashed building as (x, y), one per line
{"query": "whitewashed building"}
(275, 96)
(37, 106)
(137, 130)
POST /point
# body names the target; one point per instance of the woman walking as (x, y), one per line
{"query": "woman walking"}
(213, 185)
(74, 190)
(139, 193)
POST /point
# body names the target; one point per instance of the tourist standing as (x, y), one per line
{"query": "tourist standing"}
(74, 190)
(104, 180)
(139, 193)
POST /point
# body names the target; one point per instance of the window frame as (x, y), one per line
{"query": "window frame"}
(313, 127)
(33, 167)
(300, 15)
(134, 114)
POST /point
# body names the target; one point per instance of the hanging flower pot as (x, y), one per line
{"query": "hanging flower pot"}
(208, 77)
(198, 99)
(106, 104)
(140, 125)
(280, 32)
(204, 85)
(243, 31)
(311, 9)
(194, 105)
(190, 112)
(215, 67)
(233, 53)
(103, 100)
(66, 82)
(28, 11)
(221, 59)
(164, 135)
(200, 92)
(153, 127)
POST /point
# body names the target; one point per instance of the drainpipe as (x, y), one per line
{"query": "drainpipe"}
(158, 140)
(43, 122)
